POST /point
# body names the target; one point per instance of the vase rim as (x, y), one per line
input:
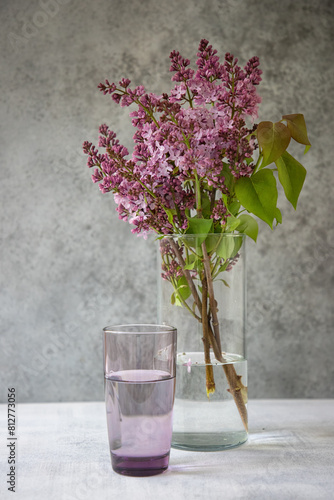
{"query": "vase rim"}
(139, 329)
(202, 235)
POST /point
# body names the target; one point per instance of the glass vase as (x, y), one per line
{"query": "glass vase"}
(202, 293)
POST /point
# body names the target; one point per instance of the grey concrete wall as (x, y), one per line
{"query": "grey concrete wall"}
(69, 266)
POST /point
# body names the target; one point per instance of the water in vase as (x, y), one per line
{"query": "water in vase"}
(201, 423)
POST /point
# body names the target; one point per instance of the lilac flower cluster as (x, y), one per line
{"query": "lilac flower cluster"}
(171, 270)
(182, 142)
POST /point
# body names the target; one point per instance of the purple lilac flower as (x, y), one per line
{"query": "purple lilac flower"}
(191, 131)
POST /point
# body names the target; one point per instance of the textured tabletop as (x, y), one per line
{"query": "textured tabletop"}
(62, 454)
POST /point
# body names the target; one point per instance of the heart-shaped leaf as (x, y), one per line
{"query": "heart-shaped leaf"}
(248, 225)
(291, 175)
(273, 140)
(297, 126)
(226, 248)
(229, 246)
(258, 194)
(183, 289)
(200, 228)
(231, 223)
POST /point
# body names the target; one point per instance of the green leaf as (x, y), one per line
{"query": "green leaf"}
(192, 261)
(228, 177)
(234, 207)
(258, 194)
(278, 216)
(297, 126)
(190, 266)
(206, 204)
(175, 301)
(291, 175)
(237, 244)
(225, 283)
(200, 227)
(183, 289)
(178, 302)
(231, 223)
(170, 214)
(249, 226)
(273, 140)
(225, 248)
(210, 243)
(223, 267)
(229, 246)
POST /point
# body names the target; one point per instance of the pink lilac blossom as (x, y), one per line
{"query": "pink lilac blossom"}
(171, 270)
(218, 211)
(182, 136)
(232, 262)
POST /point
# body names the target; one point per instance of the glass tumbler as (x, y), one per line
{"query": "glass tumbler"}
(139, 374)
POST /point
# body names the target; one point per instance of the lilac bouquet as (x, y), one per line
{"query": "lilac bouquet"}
(200, 165)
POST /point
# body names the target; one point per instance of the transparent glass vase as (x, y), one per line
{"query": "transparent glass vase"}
(202, 293)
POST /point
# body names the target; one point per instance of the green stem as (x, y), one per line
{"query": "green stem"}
(187, 275)
(213, 306)
(184, 303)
(215, 267)
(137, 101)
(210, 382)
(189, 97)
(198, 196)
(176, 207)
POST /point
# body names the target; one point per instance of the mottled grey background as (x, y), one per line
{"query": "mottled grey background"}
(69, 266)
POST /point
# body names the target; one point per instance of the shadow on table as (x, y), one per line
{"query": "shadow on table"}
(271, 443)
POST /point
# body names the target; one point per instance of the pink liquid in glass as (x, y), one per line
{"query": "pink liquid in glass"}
(139, 407)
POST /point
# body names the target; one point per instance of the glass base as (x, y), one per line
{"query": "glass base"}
(139, 466)
(208, 441)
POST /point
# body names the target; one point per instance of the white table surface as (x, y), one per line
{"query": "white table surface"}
(62, 454)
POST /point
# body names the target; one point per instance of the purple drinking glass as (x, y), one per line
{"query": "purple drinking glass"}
(139, 375)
